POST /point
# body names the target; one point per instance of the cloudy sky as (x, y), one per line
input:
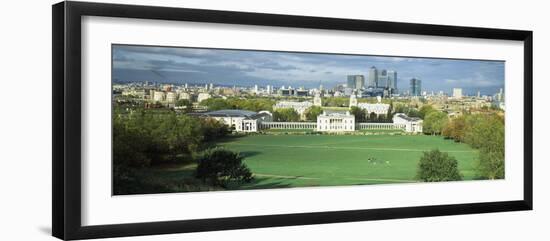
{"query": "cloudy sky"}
(246, 68)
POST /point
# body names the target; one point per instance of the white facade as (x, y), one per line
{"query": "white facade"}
(378, 108)
(159, 96)
(299, 107)
(203, 96)
(239, 120)
(335, 122)
(184, 96)
(133, 92)
(412, 124)
(171, 97)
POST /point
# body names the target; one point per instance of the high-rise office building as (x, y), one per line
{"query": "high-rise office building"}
(457, 93)
(383, 79)
(416, 87)
(351, 81)
(392, 80)
(373, 78)
(356, 81)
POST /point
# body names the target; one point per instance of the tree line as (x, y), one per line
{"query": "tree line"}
(145, 139)
(483, 131)
(251, 104)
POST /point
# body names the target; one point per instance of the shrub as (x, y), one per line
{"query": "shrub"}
(220, 167)
(436, 166)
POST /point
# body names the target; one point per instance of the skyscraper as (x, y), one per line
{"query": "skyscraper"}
(356, 81)
(416, 87)
(383, 79)
(373, 78)
(392, 80)
(457, 93)
(351, 81)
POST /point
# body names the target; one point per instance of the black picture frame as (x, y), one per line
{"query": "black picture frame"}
(66, 127)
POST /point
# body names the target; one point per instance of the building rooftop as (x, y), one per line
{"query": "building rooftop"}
(232, 113)
(403, 116)
(336, 113)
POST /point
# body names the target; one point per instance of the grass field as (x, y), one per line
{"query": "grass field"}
(328, 160)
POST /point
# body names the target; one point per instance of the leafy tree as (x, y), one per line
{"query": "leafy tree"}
(335, 101)
(425, 110)
(360, 114)
(373, 117)
(389, 114)
(213, 129)
(487, 134)
(252, 104)
(484, 132)
(455, 129)
(412, 112)
(285, 115)
(436, 166)
(217, 104)
(491, 162)
(434, 122)
(313, 112)
(219, 167)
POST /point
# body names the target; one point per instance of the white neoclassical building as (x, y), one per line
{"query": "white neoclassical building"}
(377, 108)
(159, 96)
(240, 120)
(203, 96)
(412, 124)
(335, 121)
(299, 107)
(171, 97)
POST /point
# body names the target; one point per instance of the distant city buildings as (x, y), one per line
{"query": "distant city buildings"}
(300, 92)
(380, 83)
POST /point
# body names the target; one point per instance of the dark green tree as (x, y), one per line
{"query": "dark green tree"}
(487, 134)
(220, 167)
(389, 114)
(425, 110)
(313, 112)
(360, 114)
(185, 103)
(285, 115)
(217, 104)
(436, 166)
(434, 122)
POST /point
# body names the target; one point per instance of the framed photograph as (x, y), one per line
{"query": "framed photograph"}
(171, 120)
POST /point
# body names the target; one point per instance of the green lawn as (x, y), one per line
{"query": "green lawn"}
(327, 160)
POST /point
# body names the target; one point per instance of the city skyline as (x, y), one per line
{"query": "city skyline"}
(250, 67)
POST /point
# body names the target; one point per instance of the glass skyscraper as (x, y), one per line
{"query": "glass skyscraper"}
(356, 81)
(416, 87)
(373, 78)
